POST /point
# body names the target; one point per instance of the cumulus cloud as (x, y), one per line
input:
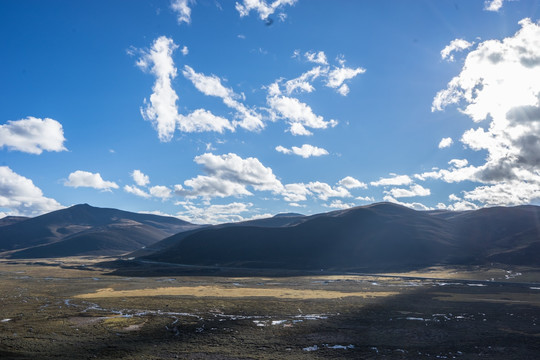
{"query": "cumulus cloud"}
(298, 114)
(211, 85)
(136, 191)
(295, 192)
(366, 198)
(140, 178)
(261, 7)
(160, 191)
(20, 196)
(229, 175)
(413, 205)
(395, 180)
(182, 10)
(458, 163)
(454, 46)
(203, 120)
(493, 5)
(412, 191)
(338, 204)
(32, 135)
(161, 110)
(81, 178)
(499, 84)
(351, 183)
(215, 214)
(325, 191)
(445, 142)
(304, 151)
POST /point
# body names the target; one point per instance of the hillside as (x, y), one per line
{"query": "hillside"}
(378, 237)
(83, 229)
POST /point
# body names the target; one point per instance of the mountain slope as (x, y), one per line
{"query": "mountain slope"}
(382, 236)
(378, 237)
(279, 220)
(10, 220)
(83, 229)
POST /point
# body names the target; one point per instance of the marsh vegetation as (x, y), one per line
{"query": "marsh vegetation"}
(61, 309)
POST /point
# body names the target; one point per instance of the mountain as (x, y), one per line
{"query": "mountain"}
(381, 236)
(10, 220)
(86, 230)
(279, 220)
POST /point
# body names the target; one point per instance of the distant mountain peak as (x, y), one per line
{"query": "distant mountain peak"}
(282, 215)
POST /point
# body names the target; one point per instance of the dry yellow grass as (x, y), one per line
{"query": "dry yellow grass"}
(217, 291)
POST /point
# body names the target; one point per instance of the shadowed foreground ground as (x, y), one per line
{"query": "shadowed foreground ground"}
(48, 312)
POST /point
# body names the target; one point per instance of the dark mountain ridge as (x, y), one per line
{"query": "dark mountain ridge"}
(381, 236)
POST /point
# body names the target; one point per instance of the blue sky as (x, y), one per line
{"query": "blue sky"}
(216, 110)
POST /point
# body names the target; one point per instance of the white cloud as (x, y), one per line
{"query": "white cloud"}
(162, 110)
(325, 191)
(412, 191)
(304, 151)
(445, 142)
(203, 120)
(298, 114)
(229, 175)
(339, 75)
(21, 196)
(140, 178)
(295, 192)
(455, 45)
(211, 85)
(316, 57)
(351, 183)
(215, 214)
(160, 191)
(283, 149)
(414, 205)
(182, 10)
(338, 204)
(32, 135)
(81, 178)
(499, 84)
(209, 187)
(395, 180)
(458, 163)
(493, 5)
(261, 7)
(303, 82)
(365, 198)
(184, 50)
(508, 193)
(296, 205)
(136, 191)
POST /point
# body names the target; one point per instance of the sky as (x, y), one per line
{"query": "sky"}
(218, 111)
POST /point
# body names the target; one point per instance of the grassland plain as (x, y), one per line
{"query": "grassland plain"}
(74, 309)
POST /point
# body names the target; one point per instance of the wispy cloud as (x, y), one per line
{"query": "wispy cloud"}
(304, 151)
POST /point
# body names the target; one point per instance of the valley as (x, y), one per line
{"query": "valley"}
(74, 307)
